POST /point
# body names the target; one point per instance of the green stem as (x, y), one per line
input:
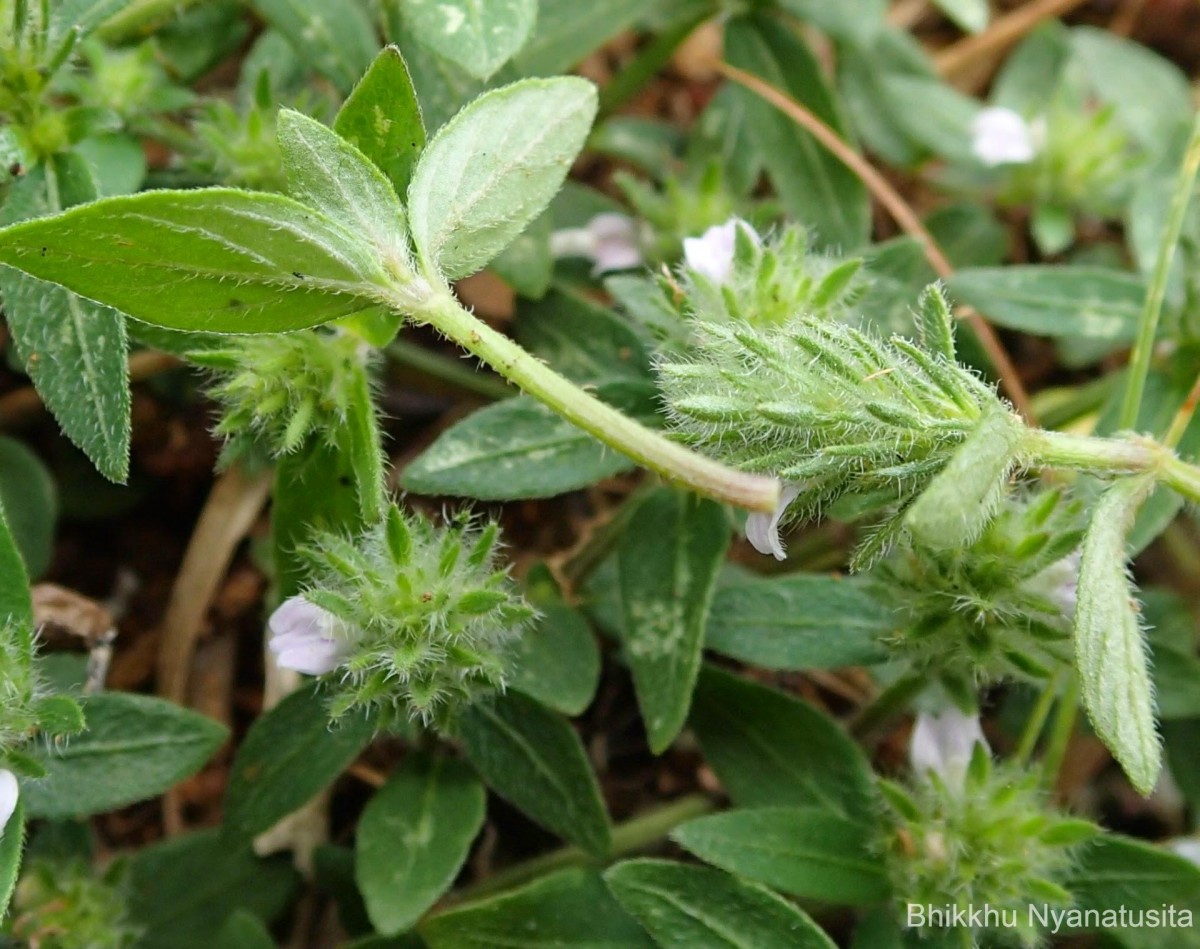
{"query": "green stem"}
(890, 702)
(1036, 721)
(1143, 347)
(448, 370)
(1061, 730)
(633, 835)
(1089, 453)
(649, 449)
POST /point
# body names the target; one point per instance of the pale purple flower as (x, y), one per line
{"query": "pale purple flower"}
(307, 638)
(711, 254)
(9, 792)
(1000, 136)
(609, 240)
(943, 743)
(1061, 583)
(762, 530)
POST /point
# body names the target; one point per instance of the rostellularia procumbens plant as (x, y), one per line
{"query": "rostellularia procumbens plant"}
(900, 432)
(407, 620)
(976, 838)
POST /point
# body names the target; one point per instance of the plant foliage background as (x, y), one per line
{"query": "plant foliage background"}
(808, 534)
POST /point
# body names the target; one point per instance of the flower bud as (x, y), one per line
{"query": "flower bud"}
(9, 793)
(306, 638)
(944, 742)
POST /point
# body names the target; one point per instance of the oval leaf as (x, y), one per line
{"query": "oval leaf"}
(771, 749)
(802, 621)
(685, 907)
(27, 490)
(134, 747)
(479, 35)
(533, 758)
(668, 561)
(1093, 302)
(289, 755)
(382, 118)
(805, 851)
(493, 168)
(414, 836)
(572, 908)
(214, 259)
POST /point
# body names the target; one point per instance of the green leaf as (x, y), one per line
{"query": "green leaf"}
(361, 440)
(686, 907)
(585, 342)
(557, 662)
(442, 87)
(518, 448)
(27, 490)
(942, 124)
(12, 844)
(1109, 647)
(382, 118)
(1093, 302)
(16, 605)
(815, 188)
(668, 561)
(493, 168)
(333, 177)
(571, 908)
(1115, 872)
(183, 890)
(770, 749)
(215, 259)
(1151, 95)
(805, 851)
(414, 836)
(288, 756)
(801, 621)
(533, 759)
(334, 36)
(478, 35)
(135, 747)
(73, 348)
(80, 15)
(243, 930)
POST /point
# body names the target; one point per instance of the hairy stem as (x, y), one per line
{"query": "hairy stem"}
(1143, 347)
(632, 439)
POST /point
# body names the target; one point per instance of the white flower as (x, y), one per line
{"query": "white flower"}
(1187, 847)
(9, 792)
(944, 743)
(1000, 136)
(1061, 583)
(307, 638)
(711, 254)
(762, 530)
(609, 240)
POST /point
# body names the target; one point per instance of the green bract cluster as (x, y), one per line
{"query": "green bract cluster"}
(992, 841)
(837, 412)
(64, 904)
(1002, 607)
(430, 616)
(773, 280)
(277, 391)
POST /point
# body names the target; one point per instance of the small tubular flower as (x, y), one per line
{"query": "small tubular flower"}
(307, 638)
(9, 793)
(943, 743)
(1000, 136)
(711, 254)
(762, 530)
(609, 240)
